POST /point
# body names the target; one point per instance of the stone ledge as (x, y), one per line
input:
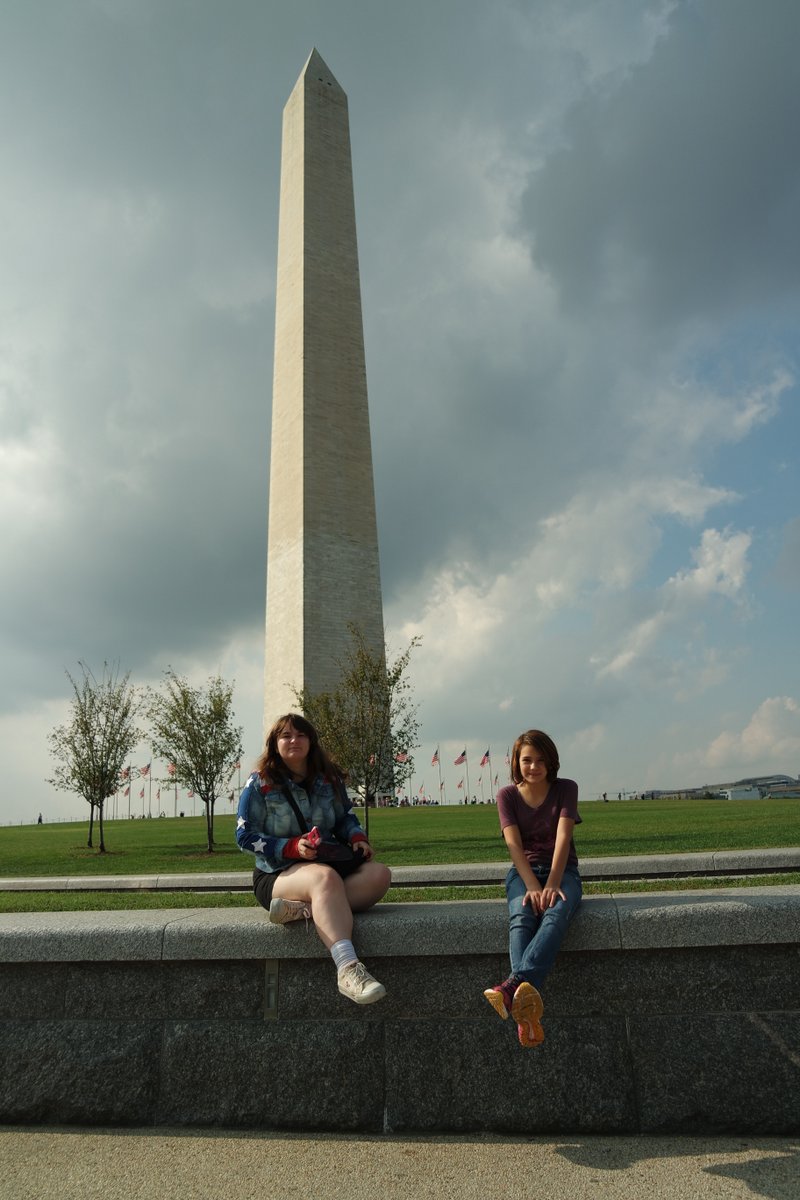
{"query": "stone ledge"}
(729, 917)
(636, 866)
(661, 1005)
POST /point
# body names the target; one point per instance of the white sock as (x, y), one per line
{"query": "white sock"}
(343, 953)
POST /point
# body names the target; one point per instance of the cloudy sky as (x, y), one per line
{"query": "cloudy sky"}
(581, 286)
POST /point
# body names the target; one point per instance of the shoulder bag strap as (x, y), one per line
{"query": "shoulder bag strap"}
(301, 821)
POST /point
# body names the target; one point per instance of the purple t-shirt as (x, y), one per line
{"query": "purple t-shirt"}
(537, 826)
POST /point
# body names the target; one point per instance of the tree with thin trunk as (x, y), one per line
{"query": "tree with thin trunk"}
(368, 724)
(90, 749)
(193, 730)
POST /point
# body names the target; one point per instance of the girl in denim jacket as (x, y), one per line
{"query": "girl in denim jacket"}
(295, 775)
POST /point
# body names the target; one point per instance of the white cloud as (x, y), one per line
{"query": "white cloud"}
(589, 739)
(770, 741)
(687, 414)
(721, 569)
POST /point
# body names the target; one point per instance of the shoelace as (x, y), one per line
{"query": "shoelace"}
(358, 973)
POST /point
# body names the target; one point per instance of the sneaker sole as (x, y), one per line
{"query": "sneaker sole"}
(497, 1002)
(374, 994)
(527, 1009)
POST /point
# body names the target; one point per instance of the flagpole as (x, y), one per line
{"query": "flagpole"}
(466, 765)
(487, 760)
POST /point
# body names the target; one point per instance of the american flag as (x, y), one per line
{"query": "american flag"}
(170, 768)
(435, 758)
(461, 758)
(485, 759)
(401, 757)
(145, 771)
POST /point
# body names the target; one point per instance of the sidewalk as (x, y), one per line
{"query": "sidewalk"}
(642, 866)
(140, 1164)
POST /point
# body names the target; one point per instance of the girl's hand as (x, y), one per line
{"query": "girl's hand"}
(363, 847)
(549, 897)
(532, 897)
(306, 849)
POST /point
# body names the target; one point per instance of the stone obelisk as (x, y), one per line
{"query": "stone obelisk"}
(322, 561)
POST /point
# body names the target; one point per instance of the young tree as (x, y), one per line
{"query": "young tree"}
(193, 729)
(90, 750)
(369, 723)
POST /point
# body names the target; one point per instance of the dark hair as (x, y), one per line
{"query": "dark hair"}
(546, 747)
(271, 766)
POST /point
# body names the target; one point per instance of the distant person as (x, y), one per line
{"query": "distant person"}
(297, 789)
(40, 821)
(537, 813)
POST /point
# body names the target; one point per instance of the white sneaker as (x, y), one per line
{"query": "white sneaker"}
(281, 911)
(357, 984)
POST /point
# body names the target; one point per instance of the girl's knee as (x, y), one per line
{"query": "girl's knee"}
(377, 878)
(525, 920)
(326, 882)
(369, 885)
(382, 875)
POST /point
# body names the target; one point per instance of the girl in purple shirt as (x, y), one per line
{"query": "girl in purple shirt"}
(538, 813)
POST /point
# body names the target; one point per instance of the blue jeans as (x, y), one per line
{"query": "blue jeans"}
(534, 939)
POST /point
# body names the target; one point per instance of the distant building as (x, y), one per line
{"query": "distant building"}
(741, 793)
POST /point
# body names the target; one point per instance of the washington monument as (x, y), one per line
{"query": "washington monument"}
(322, 560)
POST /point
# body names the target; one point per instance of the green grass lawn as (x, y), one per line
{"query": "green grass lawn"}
(405, 837)
(20, 902)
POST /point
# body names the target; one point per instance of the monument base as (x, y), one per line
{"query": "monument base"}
(672, 1013)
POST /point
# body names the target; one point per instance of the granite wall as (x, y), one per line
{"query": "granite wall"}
(665, 1014)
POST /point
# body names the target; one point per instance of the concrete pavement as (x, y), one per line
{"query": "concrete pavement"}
(620, 868)
(190, 1164)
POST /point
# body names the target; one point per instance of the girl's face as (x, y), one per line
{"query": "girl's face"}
(532, 765)
(293, 747)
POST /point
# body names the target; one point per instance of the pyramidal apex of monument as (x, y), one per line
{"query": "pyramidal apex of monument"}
(317, 70)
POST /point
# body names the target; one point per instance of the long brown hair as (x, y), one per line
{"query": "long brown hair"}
(271, 766)
(546, 747)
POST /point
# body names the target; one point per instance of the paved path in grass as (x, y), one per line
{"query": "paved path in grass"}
(191, 1164)
(643, 866)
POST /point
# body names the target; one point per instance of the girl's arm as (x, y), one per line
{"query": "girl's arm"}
(513, 840)
(251, 825)
(552, 888)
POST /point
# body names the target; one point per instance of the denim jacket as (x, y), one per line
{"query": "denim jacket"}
(266, 821)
